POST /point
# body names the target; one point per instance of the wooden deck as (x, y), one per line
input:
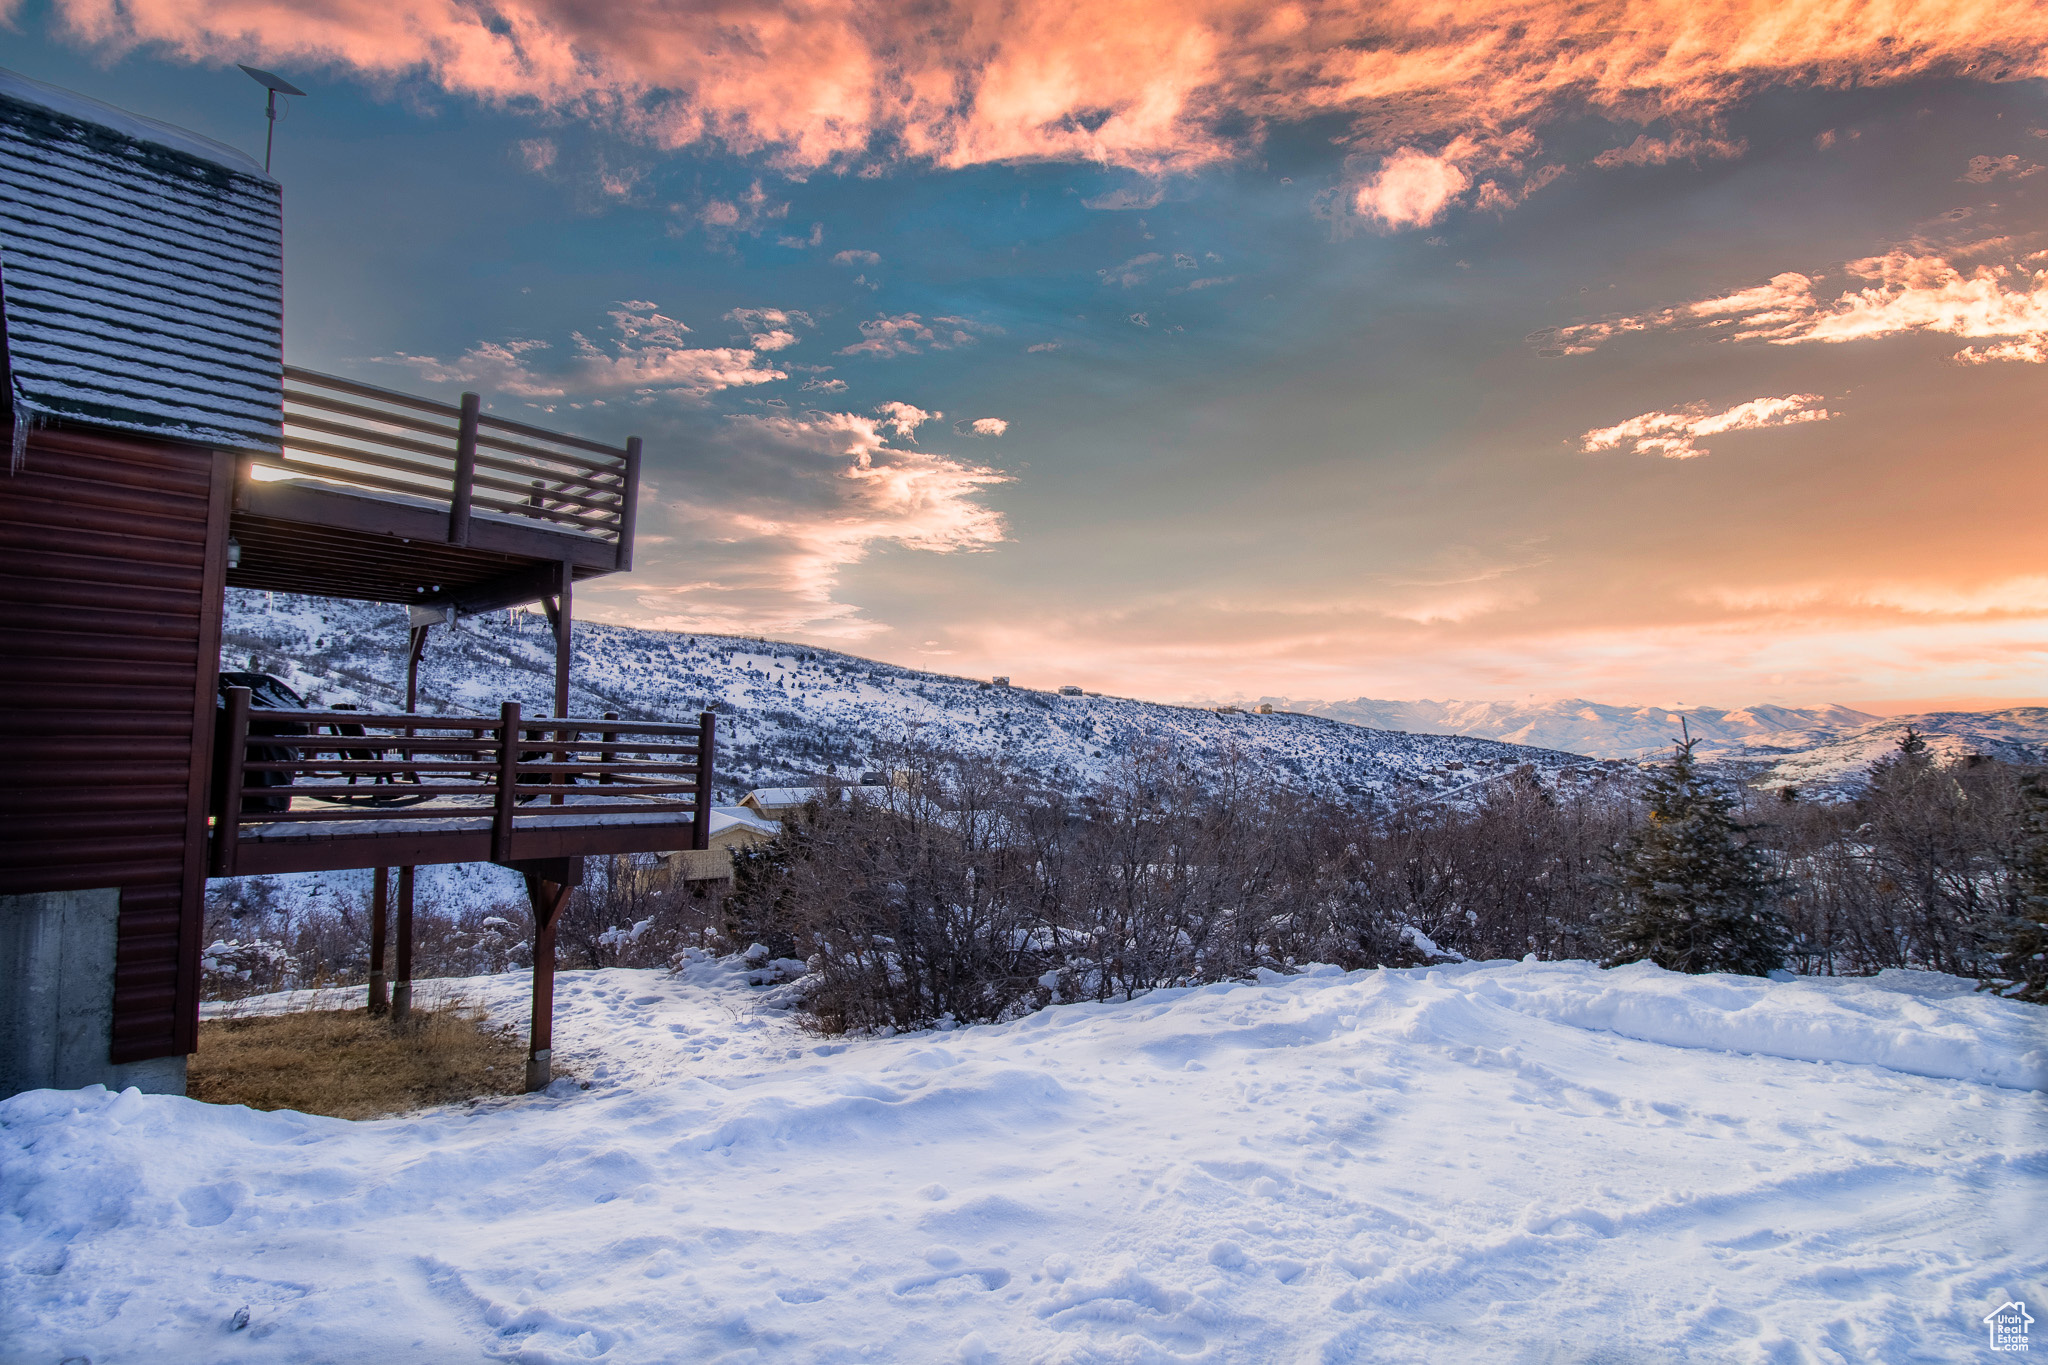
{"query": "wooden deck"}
(382, 496)
(321, 791)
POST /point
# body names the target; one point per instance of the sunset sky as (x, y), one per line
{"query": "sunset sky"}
(1664, 353)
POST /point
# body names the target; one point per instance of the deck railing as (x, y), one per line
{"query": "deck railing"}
(455, 456)
(474, 785)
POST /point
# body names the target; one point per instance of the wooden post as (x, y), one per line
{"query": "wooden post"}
(227, 821)
(700, 825)
(564, 614)
(629, 503)
(465, 471)
(546, 897)
(401, 988)
(508, 783)
(564, 626)
(380, 912)
(415, 646)
(608, 752)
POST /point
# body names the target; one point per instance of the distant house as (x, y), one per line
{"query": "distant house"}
(781, 803)
(1070, 691)
(732, 828)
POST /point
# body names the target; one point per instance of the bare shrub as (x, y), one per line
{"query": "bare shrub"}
(911, 909)
(630, 912)
(1921, 870)
(968, 894)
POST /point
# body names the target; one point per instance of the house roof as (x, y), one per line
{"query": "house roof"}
(772, 798)
(724, 818)
(141, 273)
(782, 796)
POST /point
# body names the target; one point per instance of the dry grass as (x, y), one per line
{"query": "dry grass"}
(346, 1064)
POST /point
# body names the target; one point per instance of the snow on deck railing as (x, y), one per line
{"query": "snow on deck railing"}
(323, 772)
(385, 442)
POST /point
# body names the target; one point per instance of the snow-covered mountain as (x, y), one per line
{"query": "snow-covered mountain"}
(1824, 748)
(1822, 761)
(1585, 727)
(788, 712)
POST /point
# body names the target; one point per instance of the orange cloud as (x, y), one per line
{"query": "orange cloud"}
(1985, 169)
(1726, 654)
(1908, 290)
(1412, 189)
(1676, 435)
(1682, 145)
(647, 357)
(1147, 84)
(813, 495)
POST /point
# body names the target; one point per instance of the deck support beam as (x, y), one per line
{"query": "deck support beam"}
(515, 589)
(561, 610)
(401, 988)
(415, 646)
(380, 914)
(564, 618)
(548, 884)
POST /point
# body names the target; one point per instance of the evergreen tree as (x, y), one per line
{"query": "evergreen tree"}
(2025, 960)
(1695, 896)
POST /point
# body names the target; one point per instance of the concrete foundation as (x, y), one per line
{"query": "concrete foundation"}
(57, 997)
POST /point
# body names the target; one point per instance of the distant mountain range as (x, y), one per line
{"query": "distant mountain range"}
(1585, 727)
(1819, 760)
(1820, 747)
(789, 712)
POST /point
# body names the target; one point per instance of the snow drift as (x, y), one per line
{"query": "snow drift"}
(1519, 1161)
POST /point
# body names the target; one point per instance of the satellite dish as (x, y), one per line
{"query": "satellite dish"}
(276, 85)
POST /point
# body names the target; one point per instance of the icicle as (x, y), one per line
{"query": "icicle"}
(24, 416)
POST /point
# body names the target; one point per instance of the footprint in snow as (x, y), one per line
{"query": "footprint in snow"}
(1227, 1256)
(991, 1278)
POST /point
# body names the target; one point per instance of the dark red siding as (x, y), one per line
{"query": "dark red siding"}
(112, 551)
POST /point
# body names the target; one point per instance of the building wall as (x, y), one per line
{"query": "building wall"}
(112, 551)
(57, 951)
(713, 863)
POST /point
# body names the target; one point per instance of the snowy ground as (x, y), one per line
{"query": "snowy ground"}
(1512, 1162)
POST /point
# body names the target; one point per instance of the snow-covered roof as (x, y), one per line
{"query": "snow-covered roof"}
(141, 273)
(783, 796)
(724, 818)
(773, 798)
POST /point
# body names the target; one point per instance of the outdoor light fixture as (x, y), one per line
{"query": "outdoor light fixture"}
(276, 85)
(234, 553)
